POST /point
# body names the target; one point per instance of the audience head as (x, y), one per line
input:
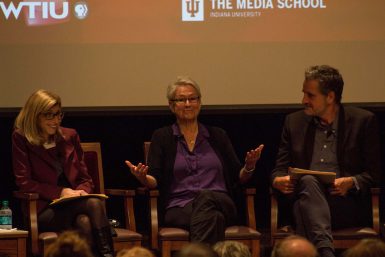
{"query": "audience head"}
(197, 250)
(136, 251)
(367, 248)
(69, 244)
(231, 249)
(329, 80)
(294, 246)
(41, 106)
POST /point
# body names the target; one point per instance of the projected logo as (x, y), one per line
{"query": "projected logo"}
(43, 12)
(192, 10)
(81, 10)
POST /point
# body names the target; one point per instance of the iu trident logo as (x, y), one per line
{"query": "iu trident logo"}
(192, 10)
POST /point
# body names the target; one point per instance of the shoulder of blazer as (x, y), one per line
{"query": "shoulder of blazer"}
(215, 131)
(164, 133)
(356, 113)
(68, 133)
(298, 118)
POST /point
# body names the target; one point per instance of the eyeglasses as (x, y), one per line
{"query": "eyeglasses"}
(183, 100)
(51, 115)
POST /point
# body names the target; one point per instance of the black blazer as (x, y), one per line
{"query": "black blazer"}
(358, 147)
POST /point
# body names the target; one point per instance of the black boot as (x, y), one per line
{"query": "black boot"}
(103, 242)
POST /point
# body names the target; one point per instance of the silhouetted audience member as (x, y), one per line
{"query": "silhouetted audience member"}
(231, 249)
(367, 248)
(69, 244)
(197, 250)
(294, 246)
(136, 251)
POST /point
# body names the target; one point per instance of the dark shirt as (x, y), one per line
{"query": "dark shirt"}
(325, 147)
(194, 170)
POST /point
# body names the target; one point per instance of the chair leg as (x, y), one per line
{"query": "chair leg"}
(255, 248)
(166, 248)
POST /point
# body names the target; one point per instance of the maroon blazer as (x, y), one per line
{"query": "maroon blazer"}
(35, 171)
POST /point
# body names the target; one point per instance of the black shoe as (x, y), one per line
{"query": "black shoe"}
(326, 252)
(103, 241)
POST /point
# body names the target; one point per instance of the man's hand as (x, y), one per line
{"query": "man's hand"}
(283, 184)
(341, 186)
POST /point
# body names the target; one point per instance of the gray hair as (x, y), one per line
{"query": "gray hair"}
(231, 249)
(329, 78)
(182, 81)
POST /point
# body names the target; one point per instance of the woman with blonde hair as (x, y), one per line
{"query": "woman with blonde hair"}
(48, 160)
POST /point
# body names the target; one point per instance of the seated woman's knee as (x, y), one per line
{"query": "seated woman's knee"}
(206, 194)
(83, 220)
(94, 204)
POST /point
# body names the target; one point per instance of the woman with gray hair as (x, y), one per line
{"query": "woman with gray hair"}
(195, 168)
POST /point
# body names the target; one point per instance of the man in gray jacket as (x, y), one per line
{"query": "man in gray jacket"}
(327, 136)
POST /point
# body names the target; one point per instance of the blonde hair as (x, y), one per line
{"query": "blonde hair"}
(371, 247)
(27, 121)
(136, 251)
(69, 244)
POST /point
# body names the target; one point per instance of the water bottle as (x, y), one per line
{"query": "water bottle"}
(5, 216)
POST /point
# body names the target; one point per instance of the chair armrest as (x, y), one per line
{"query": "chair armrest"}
(273, 214)
(152, 195)
(120, 192)
(128, 198)
(25, 195)
(250, 210)
(375, 193)
(30, 200)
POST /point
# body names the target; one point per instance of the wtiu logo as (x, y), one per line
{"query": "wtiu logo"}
(192, 10)
(52, 9)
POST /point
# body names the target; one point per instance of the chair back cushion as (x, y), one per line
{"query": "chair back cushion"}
(91, 160)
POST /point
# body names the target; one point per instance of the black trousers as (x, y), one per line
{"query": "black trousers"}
(206, 217)
(315, 211)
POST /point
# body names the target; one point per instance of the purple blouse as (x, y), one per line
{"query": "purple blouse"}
(196, 170)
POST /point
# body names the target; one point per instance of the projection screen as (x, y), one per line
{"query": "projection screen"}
(126, 52)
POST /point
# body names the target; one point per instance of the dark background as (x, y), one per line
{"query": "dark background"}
(122, 131)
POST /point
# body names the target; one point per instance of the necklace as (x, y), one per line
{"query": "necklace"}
(190, 140)
(190, 136)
